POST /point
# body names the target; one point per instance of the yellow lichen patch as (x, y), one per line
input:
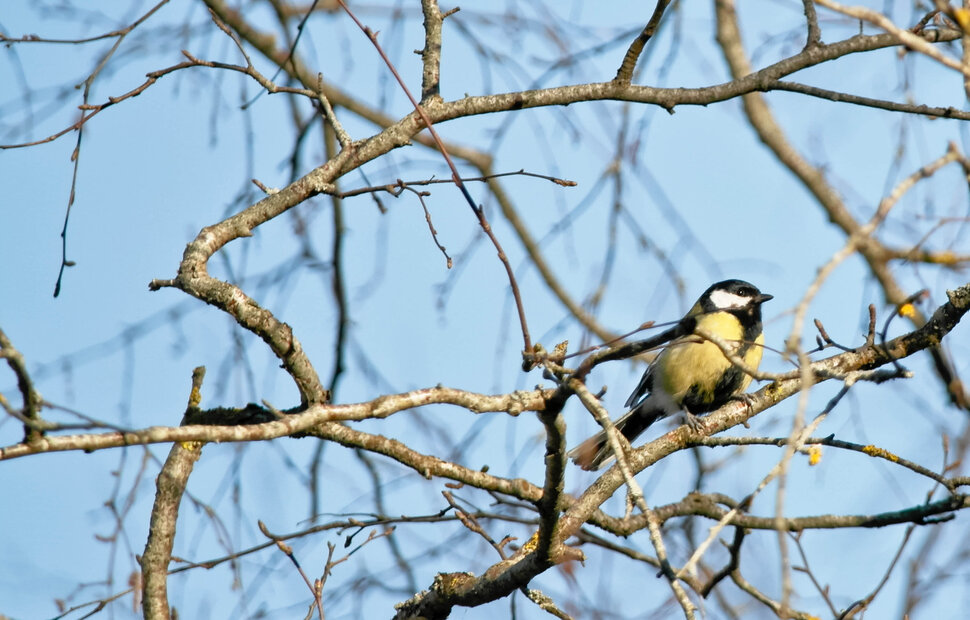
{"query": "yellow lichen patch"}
(532, 544)
(963, 18)
(814, 455)
(451, 582)
(876, 451)
(907, 310)
(946, 257)
(195, 397)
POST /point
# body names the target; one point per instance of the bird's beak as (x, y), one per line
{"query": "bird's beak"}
(760, 299)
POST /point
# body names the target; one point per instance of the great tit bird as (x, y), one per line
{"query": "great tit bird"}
(691, 374)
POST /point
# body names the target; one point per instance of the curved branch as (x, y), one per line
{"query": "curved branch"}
(205, 426)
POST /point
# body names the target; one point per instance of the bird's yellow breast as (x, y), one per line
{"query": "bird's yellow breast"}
(696, 366)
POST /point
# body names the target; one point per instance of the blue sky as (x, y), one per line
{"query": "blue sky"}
(157, 168)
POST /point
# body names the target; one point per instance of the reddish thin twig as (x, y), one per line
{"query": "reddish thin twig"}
(476, 209)
(427, 217)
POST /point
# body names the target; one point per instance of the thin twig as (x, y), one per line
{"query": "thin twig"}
(399, 185)
(456, 178)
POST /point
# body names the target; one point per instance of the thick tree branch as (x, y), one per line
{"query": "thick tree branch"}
(30, 398)
(170, 486)
(154, 561)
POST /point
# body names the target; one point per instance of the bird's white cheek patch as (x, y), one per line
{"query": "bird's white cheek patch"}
(724, 300)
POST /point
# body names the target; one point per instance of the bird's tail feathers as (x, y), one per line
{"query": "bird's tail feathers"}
(595, 452)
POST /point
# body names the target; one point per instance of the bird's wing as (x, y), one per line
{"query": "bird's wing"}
(672, 336)
(643, 388)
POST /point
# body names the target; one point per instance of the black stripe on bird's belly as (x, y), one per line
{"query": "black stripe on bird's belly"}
(702, 401)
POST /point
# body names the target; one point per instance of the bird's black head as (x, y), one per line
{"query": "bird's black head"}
(735, 296)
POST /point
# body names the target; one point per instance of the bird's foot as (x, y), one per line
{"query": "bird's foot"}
(745, 399)
(694, 423)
